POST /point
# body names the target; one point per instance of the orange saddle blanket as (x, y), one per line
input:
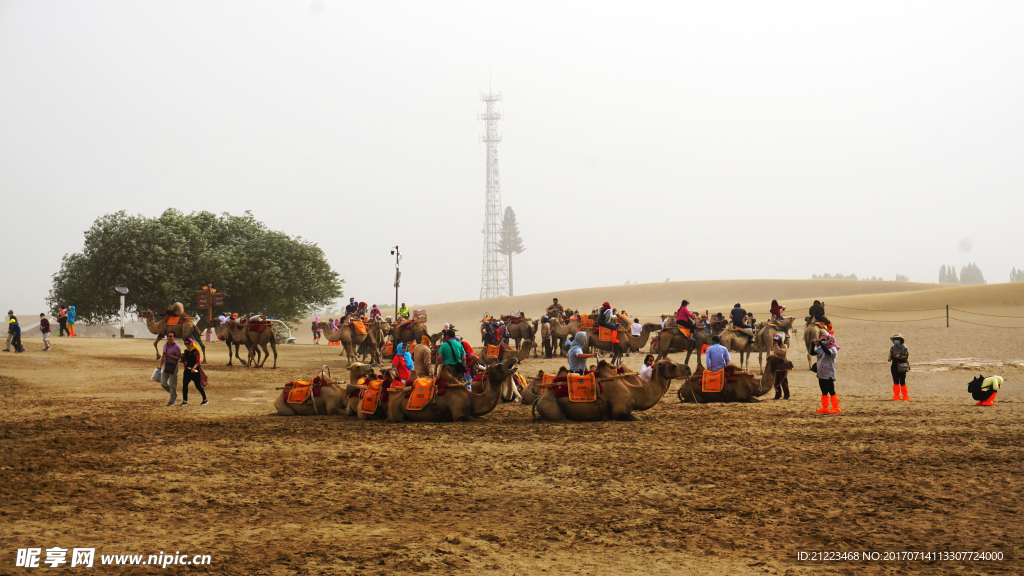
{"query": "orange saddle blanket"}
(606, 334)
(493, 352)
(712, 381)
(173, 320)
(359, 327)
(371, 397)
(582, 388)
(422, 393)
(299, 392)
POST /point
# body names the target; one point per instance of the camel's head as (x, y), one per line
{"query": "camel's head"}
(669, 370)
(501, 370)
(807, 320)
(323, 325)
(652, 327)
(146, 314)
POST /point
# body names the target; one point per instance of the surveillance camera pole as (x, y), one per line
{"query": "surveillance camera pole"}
(398, 279)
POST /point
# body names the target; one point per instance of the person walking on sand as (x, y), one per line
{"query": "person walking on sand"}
(781, 376)
(72, 316)
(193, 372)
(11, 320)
(169, 368)
(898, 356)
(44, 327)
(826, 352)
(316, 330)
(62, 321)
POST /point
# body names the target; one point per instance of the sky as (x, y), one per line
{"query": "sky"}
(641, 141)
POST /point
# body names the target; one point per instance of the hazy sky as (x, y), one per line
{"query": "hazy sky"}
(642, 141)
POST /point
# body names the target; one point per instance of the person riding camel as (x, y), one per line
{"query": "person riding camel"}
(606, 319)
(684, 318)
(352, 307)
(776, 312)
(739, 320)
(555, 309)
(375, 313)
(817, 312)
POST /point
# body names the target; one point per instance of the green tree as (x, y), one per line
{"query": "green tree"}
(1016, 275)
(166, 259)
(971, 274)
(510, 242)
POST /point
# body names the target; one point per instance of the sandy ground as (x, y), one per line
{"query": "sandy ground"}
(90, 456)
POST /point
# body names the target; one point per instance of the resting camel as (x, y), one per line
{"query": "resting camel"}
(254, 339)
(616, 400)
(356, 371)
(183, 329)
(812, 332)
(232, 336)
(330, 401)
(763, 338)
(457, 403)
(747, 387)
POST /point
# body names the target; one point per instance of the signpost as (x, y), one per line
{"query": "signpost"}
(207, 298)
(122, 290)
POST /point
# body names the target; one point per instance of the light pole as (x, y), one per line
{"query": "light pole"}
(398, 278)
(122, 290)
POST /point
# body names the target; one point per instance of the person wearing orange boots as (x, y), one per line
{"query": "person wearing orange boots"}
(898, 356)
(826, 352)
(984, 389)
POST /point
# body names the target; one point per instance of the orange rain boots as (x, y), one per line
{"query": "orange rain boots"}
(824, 405)
(903, 390)
(835, 405)
(895, 392)
(989, 402)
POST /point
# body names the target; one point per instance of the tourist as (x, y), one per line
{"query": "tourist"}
(11, 321)
(44, 327)
(62, 321)
(776, 311)
(193, 372)
(826, 352)
(739, 317)
(72, 316)
(421, 358)
(684, 318)
(717, 356)
(316, 330)
(664, 319)
(817, 312)
(984, 390)
(781, 376)
(352, 307)
(647, 370)
(402, 362)
(606, 319)
(169, 368)
(555, 309)
(577, 359)
(452, 355)
(375, 313)
(403, 312)
(898, 356)
(638, 328)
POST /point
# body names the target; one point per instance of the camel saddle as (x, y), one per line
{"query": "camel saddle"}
(371, 397)
(422, 393)
(582, 388)
(174, 320)
(257, 325)
(494, 352)
(681, 330)
(712, 381)
(359, 327)
(408, 325)
(298, 391)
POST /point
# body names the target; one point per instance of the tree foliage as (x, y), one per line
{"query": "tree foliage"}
(971, 274)
(1016, 275)
(510, 242)
(947, 275)
(166, 259)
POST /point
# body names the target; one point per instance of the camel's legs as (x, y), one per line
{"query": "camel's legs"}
(156, 345)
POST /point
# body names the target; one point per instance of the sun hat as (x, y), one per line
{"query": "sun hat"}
(897, 335)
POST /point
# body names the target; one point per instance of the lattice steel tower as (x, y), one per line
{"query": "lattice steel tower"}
(495, 274)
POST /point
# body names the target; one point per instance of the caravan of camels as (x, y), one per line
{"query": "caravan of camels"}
(399, 371)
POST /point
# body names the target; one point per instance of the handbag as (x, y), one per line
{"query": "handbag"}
(903, 367)
(173, 368)
(156, 375)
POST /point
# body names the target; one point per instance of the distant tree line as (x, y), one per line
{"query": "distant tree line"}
(969, 274)
(899, 277)
(166, 259)
(1016, 275)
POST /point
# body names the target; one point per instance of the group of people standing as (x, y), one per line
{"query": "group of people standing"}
(14, 329)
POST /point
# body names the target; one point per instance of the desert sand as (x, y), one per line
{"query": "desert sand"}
(90, 456)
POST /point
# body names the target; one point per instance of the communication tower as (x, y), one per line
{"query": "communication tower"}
(494, 283)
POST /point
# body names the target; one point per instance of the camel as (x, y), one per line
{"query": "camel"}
(232, 336)
(458, 402)
(626, 341)
(260, 339)
(523, 330)
(736, 341)
(415, 332)
(812, 332)
(647, 394)
(747, 387)
(616, 400)
(183, 329)
(638, 342)
(560, 331)
(668, 339)
(348, 338)
(764, 337)
(506, 353)
(330, 401)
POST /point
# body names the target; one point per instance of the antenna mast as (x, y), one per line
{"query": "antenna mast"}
(494, 283)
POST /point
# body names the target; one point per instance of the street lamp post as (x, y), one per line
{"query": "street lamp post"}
(122, 290)
(398, 278)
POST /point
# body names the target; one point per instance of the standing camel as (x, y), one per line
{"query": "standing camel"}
(559, 332)
(348, 337)
(183, 329)
(260, 338)
(764, 337)
(812, 332)
(232, 335)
